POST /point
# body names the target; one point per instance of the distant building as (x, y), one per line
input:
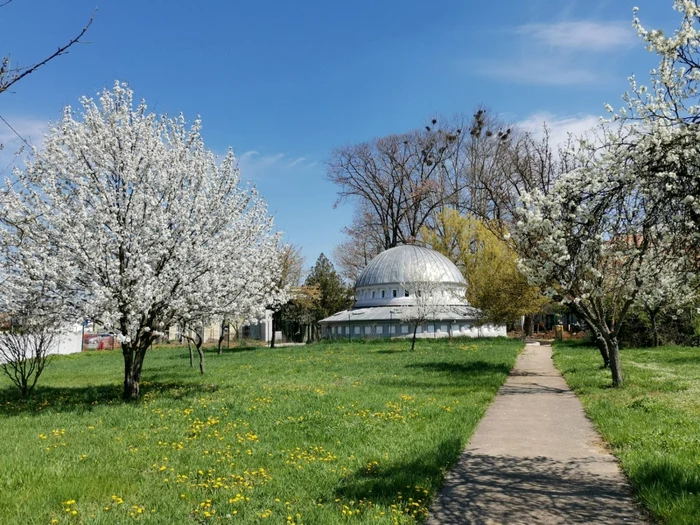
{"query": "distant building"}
(260, 331)
(382, 300)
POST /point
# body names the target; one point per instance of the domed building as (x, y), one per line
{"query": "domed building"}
(406, 288)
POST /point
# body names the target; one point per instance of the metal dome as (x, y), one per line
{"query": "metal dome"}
(396, 265)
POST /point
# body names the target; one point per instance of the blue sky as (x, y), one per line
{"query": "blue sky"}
(283, 83)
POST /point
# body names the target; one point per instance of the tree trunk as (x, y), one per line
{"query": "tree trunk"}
(654, 328)
(134, 355)
(189, 347)
(272, 339)
(413, 342)
(602, 345)
(529, 325)
(615, 367)
(201, 357)
(221, 339)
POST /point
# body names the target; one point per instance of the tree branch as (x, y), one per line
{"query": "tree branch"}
(4, 86)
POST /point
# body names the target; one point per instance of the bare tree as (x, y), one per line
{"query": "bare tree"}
(194, 333)
(11, 74)
(25, 350)
(363, 242)
(398, 178)
(401, 184)
(430, 298)
(525, 163)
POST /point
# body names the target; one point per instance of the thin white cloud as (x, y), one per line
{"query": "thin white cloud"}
(254, 165)
(296, 162)
(560, 53)
(560, 127)
(582, 35)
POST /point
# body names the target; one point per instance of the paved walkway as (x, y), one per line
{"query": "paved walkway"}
(535, 459)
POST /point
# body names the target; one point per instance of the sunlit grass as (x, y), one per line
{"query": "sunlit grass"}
(322, 434)
(652, 423)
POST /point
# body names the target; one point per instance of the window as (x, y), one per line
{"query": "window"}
(392, 329)
(404, 329)
(373, 294)
(380, 329)
(393, 293)
(357, 330)
(383, 294)
(405, 293)
(443, 328)
(420, 329)
(347, 330)
(431, 328)
(368, 330)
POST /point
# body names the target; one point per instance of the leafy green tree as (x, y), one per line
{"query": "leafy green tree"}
(495, 285)
(334, 294)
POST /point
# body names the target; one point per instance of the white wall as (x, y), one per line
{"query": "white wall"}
(70, 341)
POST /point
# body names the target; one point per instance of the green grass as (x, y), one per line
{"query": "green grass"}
(322, 434)
(652, 423)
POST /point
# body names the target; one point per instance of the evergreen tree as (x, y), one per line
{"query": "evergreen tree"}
(334, 294)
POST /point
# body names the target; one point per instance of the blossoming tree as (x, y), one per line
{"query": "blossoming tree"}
(623, 226)
(593, 242)
(143, 227)
(244, 293)
(666, 114)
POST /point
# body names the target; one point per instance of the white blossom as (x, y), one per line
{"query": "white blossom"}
(130, 220)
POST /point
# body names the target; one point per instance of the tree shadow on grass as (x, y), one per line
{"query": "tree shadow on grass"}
(239, 349)
(384, 483)
(463, 369)
(450, 375)
(84, 399)
(685, 360)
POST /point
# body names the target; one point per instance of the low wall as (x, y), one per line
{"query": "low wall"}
(69, 341)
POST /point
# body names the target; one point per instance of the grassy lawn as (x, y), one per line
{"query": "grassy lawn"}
(652, 423)
(323, 434)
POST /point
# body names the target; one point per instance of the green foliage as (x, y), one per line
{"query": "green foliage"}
(673, 327)
(334, 294)
(298, 435)
(489, 264)
(652, 424)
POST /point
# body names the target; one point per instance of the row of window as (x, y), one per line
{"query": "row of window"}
(379, 329)
(383, 293)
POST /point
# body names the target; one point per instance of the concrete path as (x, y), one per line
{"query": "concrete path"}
(535, 459)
